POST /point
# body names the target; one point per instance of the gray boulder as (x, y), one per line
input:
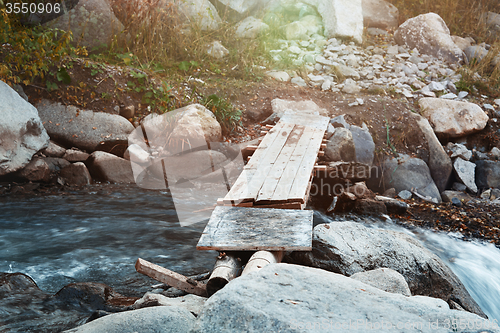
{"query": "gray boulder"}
(240, 8)
(385, 279)
(75, 155)
(289, 298)
(54, 150)
(37, 170)
(412, 174)
(348, 248)
(458, 150)
(439, 162)
(363, 142)
(475, 52)
(41, 169)
(175, 131)
(430, 35)
(340, 146)
(465, 171)
(82, 129)
(251, 28)
(335, 20)
(110, 168)
(92, 22)
(487, 174)
(379, 14)
(21, 131)
(453, 118)
(76, 174)
(35, 18)
(461, 42)
(158, 319)
(200, 12)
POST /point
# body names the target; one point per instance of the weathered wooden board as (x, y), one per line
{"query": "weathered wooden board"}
(299, 186)
(270, 183)
(254, 229)
(171, 278)
(280, 168)
(285, 182)
(264, 164)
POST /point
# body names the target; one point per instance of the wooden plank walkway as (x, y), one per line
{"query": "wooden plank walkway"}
(255, 229)
(279, 172)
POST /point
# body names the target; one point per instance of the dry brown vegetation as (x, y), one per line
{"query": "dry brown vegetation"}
(463, 17)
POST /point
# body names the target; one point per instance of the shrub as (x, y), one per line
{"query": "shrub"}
(227, 115)
(31, 52)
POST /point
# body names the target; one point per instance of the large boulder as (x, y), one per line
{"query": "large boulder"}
(21, 131)
(240, 7)
(199, 12)
(164, 319)
(110, 168)
(430, 35)
(348, 248)
(487, 174)
(250, 28)
(79, 128)
(412, 174)
(185, 128)
(465, 172)
(379, 14)
(290, 298)
(340, 146)
(453, 118)
(335, 20)
(439, 162)
(76, 174)
(363, 142)
(92, 22)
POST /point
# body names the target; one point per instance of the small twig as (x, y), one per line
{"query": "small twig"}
(35, 86)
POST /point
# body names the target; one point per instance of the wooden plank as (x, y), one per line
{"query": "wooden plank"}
(284, 205)
(171, 278)
(299, 186)
(264, 164)
(292, 168)
(254, 229)
(240, 186)
(268, 188)
(274, 139)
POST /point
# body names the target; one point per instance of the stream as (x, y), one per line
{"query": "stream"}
(97, 235)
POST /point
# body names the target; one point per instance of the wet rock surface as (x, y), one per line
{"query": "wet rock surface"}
(27, 308)
(349, 247)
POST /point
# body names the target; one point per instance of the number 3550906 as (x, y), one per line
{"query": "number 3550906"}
(32, 8)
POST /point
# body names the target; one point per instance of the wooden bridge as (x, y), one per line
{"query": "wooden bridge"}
(279, 172)
(263, 210)
(277, 176)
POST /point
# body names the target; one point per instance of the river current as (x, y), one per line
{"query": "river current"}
(97, 236)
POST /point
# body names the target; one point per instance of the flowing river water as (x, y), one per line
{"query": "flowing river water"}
(97, 236)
